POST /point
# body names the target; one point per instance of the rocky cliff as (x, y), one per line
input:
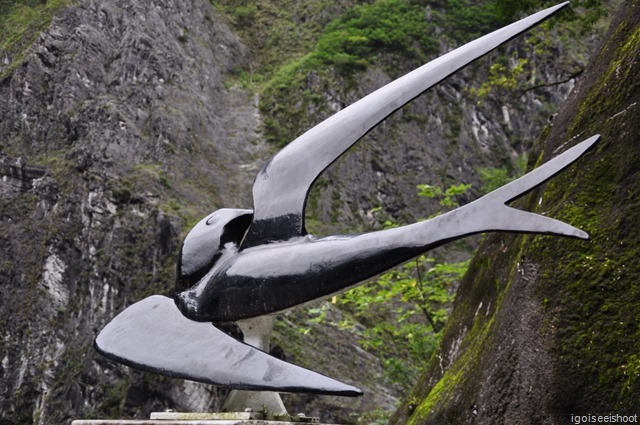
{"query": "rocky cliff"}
(124, 122)
(121, 109)
(545, 328)
(119, 130)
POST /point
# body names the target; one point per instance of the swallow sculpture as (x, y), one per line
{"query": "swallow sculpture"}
(238, 264)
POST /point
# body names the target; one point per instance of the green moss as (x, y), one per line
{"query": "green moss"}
(595, 293)
(155, 172)
(115, 394)
(345, 47)
(608, 92)
(462, 373)
(593, 298)
(21, 23)
(454, 119)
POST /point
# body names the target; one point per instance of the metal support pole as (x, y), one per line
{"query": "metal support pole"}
(257, 332)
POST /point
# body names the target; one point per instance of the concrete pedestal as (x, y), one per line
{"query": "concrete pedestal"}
(169, 422)
(247, 415)
(185, 422)
(232, 418)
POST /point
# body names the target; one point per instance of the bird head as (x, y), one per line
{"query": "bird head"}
(205, 243)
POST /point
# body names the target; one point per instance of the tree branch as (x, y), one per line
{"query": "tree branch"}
(555, 83)
(422, 305)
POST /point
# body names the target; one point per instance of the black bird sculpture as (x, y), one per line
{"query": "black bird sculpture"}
(238, 264)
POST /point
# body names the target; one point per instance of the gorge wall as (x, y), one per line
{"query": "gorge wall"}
(545, 328)
(124, 122)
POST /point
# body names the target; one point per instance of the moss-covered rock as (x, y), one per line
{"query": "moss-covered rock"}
(545, 327)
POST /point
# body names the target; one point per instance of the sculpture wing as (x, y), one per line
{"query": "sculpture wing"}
(281, 187)
(153, 335)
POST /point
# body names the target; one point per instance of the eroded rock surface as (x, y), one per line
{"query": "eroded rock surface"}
(119, 128)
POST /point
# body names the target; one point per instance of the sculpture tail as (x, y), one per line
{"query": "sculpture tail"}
(490, 213)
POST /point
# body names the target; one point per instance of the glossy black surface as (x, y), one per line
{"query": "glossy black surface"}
(203, 245)
(152, 335)
(280, 275)
(238, 264)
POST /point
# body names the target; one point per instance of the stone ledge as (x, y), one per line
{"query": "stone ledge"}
(247, 414)
(219, 418)
(164, 422)
(181, 422)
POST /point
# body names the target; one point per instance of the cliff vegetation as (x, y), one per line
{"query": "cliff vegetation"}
(122, 123)
(545, 328)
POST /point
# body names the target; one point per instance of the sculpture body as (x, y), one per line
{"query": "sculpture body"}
(239, 264)
(283, 274)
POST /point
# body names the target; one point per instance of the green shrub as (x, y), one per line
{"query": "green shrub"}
(348, 45)
(364, 31)
(20, 24)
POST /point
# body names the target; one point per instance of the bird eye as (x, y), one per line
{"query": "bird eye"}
(204, 244)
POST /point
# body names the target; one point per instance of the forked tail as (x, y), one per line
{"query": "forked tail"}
(490, 213)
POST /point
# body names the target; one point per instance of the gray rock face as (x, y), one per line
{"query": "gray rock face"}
(117, 130)
(121, 114)
(540, 330)
(111, 86)
(119, 104)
